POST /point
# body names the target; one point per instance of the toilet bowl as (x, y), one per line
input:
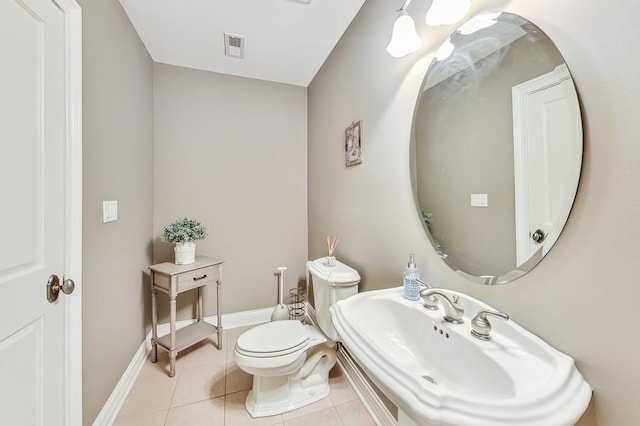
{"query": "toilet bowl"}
(290, 361)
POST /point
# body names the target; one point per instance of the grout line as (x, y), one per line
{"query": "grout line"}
(173, 395)
(166, 416)
(224, 401)
(339, 416)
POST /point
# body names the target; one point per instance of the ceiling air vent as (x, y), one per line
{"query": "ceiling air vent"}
(233, 45)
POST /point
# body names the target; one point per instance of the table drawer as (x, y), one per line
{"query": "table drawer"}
(198, 278)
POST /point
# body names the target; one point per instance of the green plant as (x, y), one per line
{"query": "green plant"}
(426, 217)
(183, 231)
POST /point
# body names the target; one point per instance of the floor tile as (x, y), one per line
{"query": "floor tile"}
(208, 412)
(237, 380)
(199, 384)
(153, 419)
(326, 417)
(354, 413)
(204, 355)
(317, 406)
(341, 390)
(235, 413)
(149, 395)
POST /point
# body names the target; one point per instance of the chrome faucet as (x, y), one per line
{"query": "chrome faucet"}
(453, 312)
(480, 325)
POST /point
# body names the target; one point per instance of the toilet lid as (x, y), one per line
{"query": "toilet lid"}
(340, 274)
(273, 338)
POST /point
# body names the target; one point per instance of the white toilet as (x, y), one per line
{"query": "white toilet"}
(290, 362)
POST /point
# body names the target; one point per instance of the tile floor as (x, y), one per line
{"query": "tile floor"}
(209, 389)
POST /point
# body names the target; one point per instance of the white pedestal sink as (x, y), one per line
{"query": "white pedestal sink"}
(437, 373)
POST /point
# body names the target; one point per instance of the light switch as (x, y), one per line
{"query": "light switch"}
(479, 200)
(109, 211)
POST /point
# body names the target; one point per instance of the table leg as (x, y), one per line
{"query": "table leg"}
(154, 324)
(200, 310)
(219, 313)
(172, 341)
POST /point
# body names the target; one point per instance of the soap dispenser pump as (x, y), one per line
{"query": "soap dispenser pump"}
(409, 280)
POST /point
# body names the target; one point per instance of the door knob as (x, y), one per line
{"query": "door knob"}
(54, 287)
(538, 236)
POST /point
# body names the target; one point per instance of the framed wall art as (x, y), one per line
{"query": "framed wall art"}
(353, 144)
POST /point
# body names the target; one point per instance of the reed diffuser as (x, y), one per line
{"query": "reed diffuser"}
(332, 242)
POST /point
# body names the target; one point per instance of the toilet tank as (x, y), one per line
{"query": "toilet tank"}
(330, 284)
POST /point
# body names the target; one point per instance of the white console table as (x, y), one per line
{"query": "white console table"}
(174, 279)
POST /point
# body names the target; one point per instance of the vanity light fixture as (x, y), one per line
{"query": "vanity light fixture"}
(447, 12)
(404, 38)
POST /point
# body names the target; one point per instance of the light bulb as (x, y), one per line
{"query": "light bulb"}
(447, 12)
(404, 39)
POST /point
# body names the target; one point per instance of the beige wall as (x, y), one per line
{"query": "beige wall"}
(583, 296)
(117, 132)
(232, 152)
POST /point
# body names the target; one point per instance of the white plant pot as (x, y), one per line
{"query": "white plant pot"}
(185, 253)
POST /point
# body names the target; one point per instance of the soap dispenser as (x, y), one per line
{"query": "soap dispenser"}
(409, 280)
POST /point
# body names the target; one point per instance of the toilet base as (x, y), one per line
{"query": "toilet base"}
(273, 395)
(275, 404)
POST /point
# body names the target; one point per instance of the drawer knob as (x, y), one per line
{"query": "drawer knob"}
(200, 278)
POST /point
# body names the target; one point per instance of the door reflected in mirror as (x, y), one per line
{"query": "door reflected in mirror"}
(496, 148)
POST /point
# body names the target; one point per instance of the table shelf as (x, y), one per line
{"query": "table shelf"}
(189, 335)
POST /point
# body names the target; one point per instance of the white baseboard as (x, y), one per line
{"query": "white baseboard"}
(360, 384)
(374, 405)
(111, 408)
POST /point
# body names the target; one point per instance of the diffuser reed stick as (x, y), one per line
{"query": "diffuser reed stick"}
(332, 242)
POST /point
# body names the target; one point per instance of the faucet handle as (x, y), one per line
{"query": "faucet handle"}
(430, 302)
(480, 325)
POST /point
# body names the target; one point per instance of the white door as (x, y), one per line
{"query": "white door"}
(548, 153)
(39, 145)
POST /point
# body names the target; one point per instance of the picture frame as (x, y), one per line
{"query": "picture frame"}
(353, 144)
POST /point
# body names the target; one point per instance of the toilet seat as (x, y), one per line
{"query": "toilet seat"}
(274, 354)
(274, 339)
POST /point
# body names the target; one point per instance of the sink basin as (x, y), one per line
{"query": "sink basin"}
(437, 373)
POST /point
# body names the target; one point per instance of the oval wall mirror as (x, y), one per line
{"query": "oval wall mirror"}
(496, 148)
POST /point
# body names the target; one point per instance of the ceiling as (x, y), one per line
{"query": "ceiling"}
(286, 41)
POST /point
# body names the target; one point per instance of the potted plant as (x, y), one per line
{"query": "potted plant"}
(183, 233)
